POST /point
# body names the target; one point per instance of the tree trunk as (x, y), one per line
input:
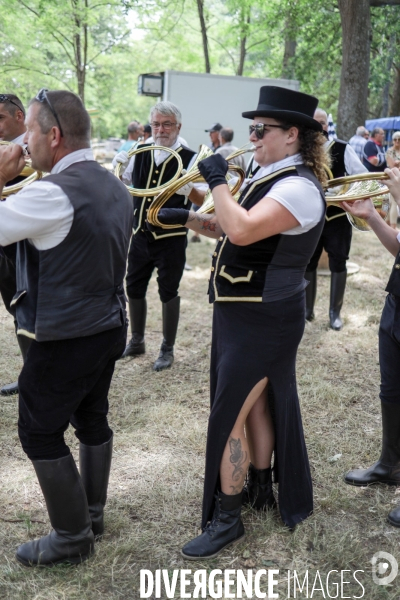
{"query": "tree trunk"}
(395, 103)
(352, 111)
(388, 73)
(200, 8)
(290, 49)
(244, 27)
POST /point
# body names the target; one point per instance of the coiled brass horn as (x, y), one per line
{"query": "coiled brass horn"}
(359, 187)
(194, 176)
(145, 193)
(30, 176)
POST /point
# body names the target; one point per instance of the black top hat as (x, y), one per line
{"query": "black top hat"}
(286, 105)
(215, 127)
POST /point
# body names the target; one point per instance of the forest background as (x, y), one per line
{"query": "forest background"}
(346, 52)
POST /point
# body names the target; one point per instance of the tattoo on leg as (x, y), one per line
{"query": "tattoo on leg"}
(238, 458)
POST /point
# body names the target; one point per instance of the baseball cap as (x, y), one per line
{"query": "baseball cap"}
(214, 127)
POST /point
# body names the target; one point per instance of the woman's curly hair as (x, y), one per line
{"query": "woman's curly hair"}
(312, 150)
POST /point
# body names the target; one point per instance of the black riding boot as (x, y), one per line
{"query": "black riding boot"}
(311, 293)
(257, 491)
(71, 540)
(137, 316)
(12, 388)
(94, 466)
(224, 529)
(170, 317)
(338, 286)
(387, 469)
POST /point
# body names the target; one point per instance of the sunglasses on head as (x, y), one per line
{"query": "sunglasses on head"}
(5, 98)
(261, 128)
(42, 96)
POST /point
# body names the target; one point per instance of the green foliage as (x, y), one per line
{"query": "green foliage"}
(42, 43)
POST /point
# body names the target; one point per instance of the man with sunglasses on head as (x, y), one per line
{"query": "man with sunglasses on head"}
(337, 232)
(160, 249)
(12, 129)
(72, 231)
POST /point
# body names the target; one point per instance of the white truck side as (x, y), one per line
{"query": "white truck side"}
(205, 99)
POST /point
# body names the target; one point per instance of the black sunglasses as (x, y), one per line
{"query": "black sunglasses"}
(260, 128)
(43, 97)
(5, 98)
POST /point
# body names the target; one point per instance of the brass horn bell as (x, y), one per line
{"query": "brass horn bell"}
(194, 176)
(359, 187)
(30, 176)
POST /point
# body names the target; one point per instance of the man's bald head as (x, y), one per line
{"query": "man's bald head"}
(322, 117)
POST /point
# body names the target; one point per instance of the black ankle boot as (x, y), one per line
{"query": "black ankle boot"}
(257, 491)
(94, 466)
(71, 540)
(338, 286)
(224, 529)
(170, 317)
(137, 317)
(311, 293)
(387, 469)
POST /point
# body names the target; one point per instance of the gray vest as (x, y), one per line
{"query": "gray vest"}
(76, 288)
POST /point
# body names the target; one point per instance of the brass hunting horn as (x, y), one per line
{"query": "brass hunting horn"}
(30, 176)
(359, 187)
(194, 176)
(145, 193)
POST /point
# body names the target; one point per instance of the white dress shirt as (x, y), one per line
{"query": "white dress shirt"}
(19, 140)
(297, 194)
(41, 212)
(159, 157)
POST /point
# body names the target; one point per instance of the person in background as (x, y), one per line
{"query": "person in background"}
(337, 231)
(358, 141)
(374, 154)
(157, 249)
(214, 135)
(146, 132)
(226, 148)
(12, 129)
(135, 133)
(393, 160)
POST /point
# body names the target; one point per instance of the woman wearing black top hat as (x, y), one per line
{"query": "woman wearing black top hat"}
(257, 286)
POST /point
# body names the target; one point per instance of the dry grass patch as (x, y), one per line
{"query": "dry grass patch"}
(160, 422)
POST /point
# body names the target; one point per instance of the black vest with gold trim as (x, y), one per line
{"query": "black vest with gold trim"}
(336, 149)
(272, 268)
(393, 286)
(146, 174)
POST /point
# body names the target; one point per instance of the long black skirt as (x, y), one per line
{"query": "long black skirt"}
(251, 341)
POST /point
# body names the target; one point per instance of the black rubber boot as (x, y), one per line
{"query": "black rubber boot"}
(338, 286)
(387, 469)
(257, 491)
(311, 293)
(224, 529)
(137, 316)
(94, 466)
(12, 388)
(170, 317)
(71, 540)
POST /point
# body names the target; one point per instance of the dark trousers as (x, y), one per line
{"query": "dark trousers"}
(167, 255)
(8, 281)
(63, 382)
(336, 240)
(389, 350)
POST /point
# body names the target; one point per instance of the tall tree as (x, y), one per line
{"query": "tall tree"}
(355, 19)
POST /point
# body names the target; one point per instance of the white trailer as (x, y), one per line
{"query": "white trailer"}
(205, 99)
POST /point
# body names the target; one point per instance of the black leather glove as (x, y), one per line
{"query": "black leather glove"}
(170, 216)
(214, 169)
